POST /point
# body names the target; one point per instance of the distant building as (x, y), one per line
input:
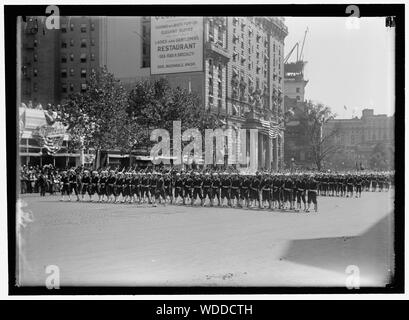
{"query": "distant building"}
(297, 146)
(357, 139)
(57, 62)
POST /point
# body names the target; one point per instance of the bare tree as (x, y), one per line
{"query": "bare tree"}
(314, 119)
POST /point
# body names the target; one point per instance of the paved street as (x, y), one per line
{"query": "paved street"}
(106, 244)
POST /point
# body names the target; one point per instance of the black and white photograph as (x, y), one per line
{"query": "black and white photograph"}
(205, 150)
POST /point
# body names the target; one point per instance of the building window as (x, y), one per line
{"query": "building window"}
(92, 56)
(72, 27)
(63, 73)
(83, 28)
(83, 57)
(220, 72)
(72, 72)
(219, 104)
(71, 87)
(64, 88)
(297, 90)
(63, 58)
(63, 44)
(92, 26)
(71, 57)
(298, 98)
(83, 87)
(220, 91)
(72, 42)
(83, 43)
(210, 67)
(35, 87)
(211, 30)
(35, 72)
(210, 86)
(63, 28)
(92, 42)
(83, 73)
(220, 35)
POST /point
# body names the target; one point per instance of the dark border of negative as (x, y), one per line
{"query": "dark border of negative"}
(11, 12)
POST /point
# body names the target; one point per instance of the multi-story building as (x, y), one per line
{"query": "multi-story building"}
(54, 63)
(357, 138)
(57, 62)
(239, 74)
(241, 78)
(297, 147)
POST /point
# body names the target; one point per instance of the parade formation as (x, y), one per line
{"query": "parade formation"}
(264, 190)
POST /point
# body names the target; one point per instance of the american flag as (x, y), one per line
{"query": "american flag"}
(273, 131)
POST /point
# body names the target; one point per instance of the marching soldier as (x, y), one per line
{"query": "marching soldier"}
(216, 188)
(255, 190)
(102, 186)
(179, 185)
(225, 188)
(207, 188)
(244, 190)
(85, 182)
(187, 184)
(197, 188)
(312, 186)
(235, 190)
(65, 185)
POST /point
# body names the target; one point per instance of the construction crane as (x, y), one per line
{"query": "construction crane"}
(302, 47)
(289, 54)
(299, 56)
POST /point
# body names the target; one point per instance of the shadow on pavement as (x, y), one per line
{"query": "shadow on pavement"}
(372, 252)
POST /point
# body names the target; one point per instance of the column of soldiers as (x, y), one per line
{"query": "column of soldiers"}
(283, 191)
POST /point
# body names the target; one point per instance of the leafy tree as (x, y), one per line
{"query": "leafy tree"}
(313, 119)
(381, 157)
(95, 117)
(155, 104)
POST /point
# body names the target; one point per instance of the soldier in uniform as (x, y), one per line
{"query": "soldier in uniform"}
(93, 188)
(73, 179)
(167, 179)
(358, 186)
(110, 186)
(145, 188)
(275, 191)
(152, 187)
(235, 189)
(65, 185)
(216, 188)
(102, 186)
(312, 186)
(188, 184)
(350, 186)
(265, 187)
(127, 188)
(197, 188)
(225, 188)
(160, 188)
(85, 182)
(179, 185)
(301, 186)
(255, 190)
(207, 188)
(244, 190)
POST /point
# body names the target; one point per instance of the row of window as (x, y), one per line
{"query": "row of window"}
(83, 27)
(83, 72)
(71, 87)
(83, 43)
(83, 57)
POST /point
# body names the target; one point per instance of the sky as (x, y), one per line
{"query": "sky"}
(351, 67)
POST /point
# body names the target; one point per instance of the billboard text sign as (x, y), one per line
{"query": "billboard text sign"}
(176, 44)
